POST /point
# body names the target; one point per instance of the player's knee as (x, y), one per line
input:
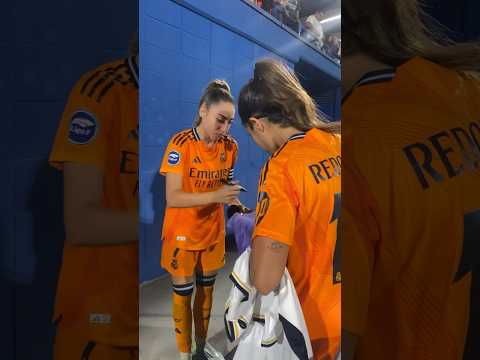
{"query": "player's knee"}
(183, 289)
(206, 280)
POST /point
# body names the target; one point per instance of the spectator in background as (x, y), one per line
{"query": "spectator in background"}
(331, 46)
(267, 5)
(259, 3)
(314, 33)
(292, 18)
(279, 10)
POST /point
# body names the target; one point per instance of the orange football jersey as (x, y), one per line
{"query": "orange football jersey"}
(298, 204)
(411, 211)
(98, 285)
(202, 169)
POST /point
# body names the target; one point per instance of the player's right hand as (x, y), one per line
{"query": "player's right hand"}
(226, 194)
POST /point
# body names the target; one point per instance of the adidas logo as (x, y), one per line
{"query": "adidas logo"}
(196, 160)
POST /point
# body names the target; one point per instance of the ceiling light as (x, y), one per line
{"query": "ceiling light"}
(330, 19)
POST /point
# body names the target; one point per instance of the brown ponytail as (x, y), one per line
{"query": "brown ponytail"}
(393, 31)
(276, 93)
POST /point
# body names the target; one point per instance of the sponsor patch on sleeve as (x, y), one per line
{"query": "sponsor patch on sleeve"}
(173, 157)
(83, 128)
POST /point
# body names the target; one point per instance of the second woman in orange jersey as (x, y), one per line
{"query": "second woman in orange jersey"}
(197, 164)
(298, 199)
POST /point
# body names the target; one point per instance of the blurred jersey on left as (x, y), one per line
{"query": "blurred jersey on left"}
(97, 295)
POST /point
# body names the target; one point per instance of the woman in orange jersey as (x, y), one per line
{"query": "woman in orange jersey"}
(198, 163)
(96, 305)
(298, 199)
(411, 209)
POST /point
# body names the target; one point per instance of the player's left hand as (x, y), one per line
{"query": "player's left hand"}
(245, 210)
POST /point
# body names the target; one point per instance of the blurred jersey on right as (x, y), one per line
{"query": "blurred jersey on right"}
(411, 213)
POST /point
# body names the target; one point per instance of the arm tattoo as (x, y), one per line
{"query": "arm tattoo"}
(275, 245)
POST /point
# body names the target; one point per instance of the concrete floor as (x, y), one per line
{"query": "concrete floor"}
(157, 337)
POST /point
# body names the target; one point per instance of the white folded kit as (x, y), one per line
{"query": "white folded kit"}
(265, 327)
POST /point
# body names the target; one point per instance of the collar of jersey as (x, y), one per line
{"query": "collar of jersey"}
(296, 136)
(299, 135)
(372, 77)
(133, 67)
(196, 135)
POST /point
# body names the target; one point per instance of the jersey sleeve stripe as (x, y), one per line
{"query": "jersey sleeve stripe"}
(176, 137)
(105, 90)
(107, 74)
(89, 80)
(179, 135)
(96, 85)
(189, 137)
(182, 136)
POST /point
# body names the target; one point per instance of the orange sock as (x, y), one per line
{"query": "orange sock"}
(182, 316)
(202, 307)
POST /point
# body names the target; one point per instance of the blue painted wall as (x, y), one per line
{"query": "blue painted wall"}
(183, 45)
(45, 47)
